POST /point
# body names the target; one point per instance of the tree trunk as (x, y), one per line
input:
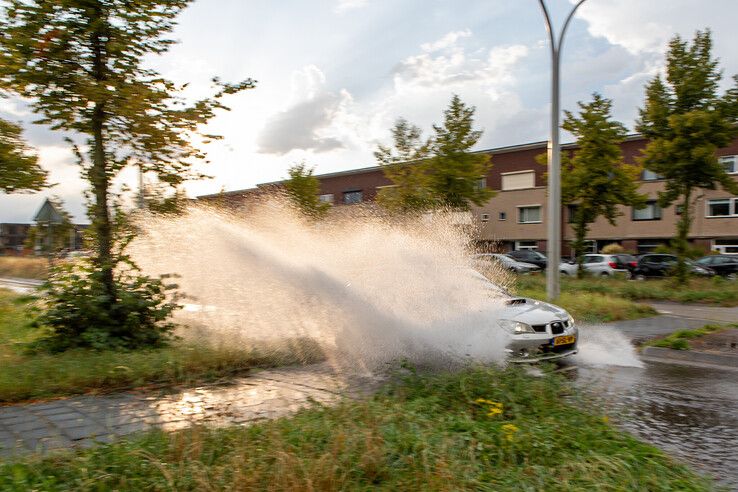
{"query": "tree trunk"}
(682, 242)
(580, 232)
(99, 171)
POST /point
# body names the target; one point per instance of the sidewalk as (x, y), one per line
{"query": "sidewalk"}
(698, 311)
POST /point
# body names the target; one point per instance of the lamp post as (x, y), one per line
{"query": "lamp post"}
(554, 158)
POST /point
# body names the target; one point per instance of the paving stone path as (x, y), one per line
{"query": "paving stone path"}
(86, 420)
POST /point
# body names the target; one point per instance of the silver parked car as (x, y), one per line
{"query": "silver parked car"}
(508, 263)
(604, 265)
(537, 331)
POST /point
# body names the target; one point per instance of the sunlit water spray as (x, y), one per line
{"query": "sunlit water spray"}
(369, 291)
(366, 290)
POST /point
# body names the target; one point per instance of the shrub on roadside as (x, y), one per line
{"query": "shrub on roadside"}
(612, 248)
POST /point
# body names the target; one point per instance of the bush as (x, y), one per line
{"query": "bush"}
(80, 313)
(612, 248)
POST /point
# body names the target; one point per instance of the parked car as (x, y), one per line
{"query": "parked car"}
(662, 265)
(604, 265)
(537, 331)
(508, 263)
(568, 267)
(723, 265)
(529, 256)
(628, 262)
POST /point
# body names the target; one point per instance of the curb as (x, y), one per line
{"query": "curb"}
(661, 354)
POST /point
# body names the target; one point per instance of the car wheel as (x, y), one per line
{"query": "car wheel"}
(640, 276)
(732, 276)
(604, 274)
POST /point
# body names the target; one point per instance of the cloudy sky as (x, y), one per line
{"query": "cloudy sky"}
(334, 75)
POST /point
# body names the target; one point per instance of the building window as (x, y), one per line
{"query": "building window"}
(648, 245)
(518, 180)
(651, 211)
(530, 214)
(730, 163)
(679, 209)
(484, 217)
(572, 209)
(503, 216)
(326, 198)
(350, 197)
(723, 207)
(650, 175)
(481, 183)
(531, 245)
(725, 246)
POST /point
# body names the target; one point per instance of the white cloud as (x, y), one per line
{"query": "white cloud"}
(346, 5)
(446, 41)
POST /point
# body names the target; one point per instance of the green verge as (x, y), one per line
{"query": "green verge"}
(716, 291)
(679, 340)
(25, 376)
(481, 429)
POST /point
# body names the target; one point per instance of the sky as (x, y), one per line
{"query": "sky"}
(333, 76)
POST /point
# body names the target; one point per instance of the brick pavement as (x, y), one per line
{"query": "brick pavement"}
(86, 420)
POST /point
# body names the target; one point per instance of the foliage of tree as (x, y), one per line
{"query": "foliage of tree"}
(440, 171)
(303, 189)
(686, 120)
(595, 181)
(407, 165)
(79, 62)
(161, 199)
(456, 171)
(19, 169)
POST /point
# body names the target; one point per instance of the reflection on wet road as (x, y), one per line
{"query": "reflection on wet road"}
(689, 412)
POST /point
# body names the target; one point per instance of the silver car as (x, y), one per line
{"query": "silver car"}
(604, 265)
(537, 331)
(508, 263)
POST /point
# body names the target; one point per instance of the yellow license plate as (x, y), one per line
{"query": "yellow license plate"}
(565, 340)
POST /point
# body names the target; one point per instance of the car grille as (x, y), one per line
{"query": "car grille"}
(539, 328)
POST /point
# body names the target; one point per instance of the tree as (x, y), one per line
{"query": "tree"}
(79, 62)
(406, 164)
(50, 240)
(441, 171)
(19, 169)
(595, 180)
(455, 172)
(303, 189)
(686, 121)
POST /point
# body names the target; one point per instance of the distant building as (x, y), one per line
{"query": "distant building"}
(12, 237)
(516, 217)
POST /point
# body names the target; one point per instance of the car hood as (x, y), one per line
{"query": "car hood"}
(526, 265)
(532, 311)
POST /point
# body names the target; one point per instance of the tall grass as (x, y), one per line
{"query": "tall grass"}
(25, 375)
(717, 291)
(482, 429)
(23, 267)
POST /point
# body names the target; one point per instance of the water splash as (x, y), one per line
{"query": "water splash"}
(368, 290)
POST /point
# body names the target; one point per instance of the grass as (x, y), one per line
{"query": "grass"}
(590, 307)
(679, 340)
(25, 376)
(716, 291)
(482, 429)
(23, 267)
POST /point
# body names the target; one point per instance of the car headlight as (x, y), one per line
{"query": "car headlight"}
(515, 327)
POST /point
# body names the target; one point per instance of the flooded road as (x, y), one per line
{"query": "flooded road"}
(689, 412)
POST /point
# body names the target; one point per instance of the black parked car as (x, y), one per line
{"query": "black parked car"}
(723, 265)
(529, 256)
(658, 265)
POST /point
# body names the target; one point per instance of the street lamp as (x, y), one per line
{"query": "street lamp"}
(554, 159)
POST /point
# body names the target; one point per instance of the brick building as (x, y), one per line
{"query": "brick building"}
(515, 217)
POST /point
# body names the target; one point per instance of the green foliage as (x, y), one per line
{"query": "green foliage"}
(80, 64)
(303, 189)
(79, 313)
(456, 172)
(612, 248)
(424, 433)
(19, 169)
(686, 121)
(56, 239)
(407, 165)
(441, 171)
(596, 180)
(679, 340)
(161, 200)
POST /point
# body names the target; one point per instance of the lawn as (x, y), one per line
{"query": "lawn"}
(23, 267)
(481, 429)
(716, 291)
(26, 376)
(679, 340)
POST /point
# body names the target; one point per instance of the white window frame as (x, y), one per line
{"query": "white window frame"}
(481, 183)
(527, 171)
(534, 205)
(727, 246)
(531, 247)
(502, 216)
(732, 207)
(732, 159)
(484, 217)
(361, 197)
(326, 198)
(652, 176)
(651, 204)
